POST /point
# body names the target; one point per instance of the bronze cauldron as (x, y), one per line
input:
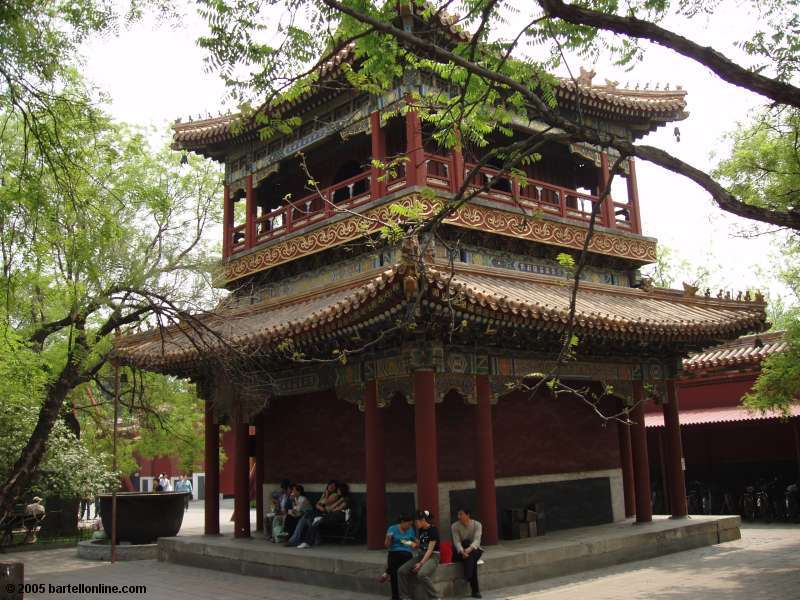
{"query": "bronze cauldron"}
(142, 517)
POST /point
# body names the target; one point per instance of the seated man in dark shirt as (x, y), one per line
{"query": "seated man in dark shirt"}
(425, 560)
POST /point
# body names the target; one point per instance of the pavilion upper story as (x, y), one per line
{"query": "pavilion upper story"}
(322, 185)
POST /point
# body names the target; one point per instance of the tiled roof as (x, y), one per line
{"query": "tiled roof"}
(623, 311)
(608, 98)
(725, 414)
(747, 350)
(660, 106)
(523, 300)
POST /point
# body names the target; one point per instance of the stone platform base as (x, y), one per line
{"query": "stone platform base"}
(101, 550)
(509, 563)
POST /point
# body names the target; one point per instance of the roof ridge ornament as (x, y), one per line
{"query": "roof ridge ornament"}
(585, 77)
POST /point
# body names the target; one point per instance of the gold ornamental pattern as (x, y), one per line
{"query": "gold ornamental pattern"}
(469, 216)
(551, 232)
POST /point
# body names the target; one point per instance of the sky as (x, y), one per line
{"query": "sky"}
(153, 73)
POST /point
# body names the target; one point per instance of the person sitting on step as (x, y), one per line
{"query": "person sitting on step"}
(422, 566)
(300, 508)
(280, 503)
(466, 533)
(401, 539)
(331, 507)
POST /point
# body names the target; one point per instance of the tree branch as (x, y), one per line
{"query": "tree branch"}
(727, 70)
(574, 132)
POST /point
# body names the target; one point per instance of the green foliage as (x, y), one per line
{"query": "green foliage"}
(98, 231)
(69, 468)
(764, 166)
(159, 416)
(778, 386)
(566, 261)
(394, 230)
(764, 169)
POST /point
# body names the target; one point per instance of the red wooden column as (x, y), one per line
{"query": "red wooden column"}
(211, 501)
(633, 198)
(415, 167)
(457, 162)
(241, 479)
(608, 206)
(227, 221)
(626, 462)
(377, 188)
(260, 439)
(674, 452)
(426, 447)
(250, 212)
(641, 466)
(374, 449)
(484, 453)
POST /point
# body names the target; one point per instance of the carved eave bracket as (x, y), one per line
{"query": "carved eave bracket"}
(463, 383)
(390, 388)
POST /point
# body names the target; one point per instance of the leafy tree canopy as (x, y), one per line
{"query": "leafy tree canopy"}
(110, 239)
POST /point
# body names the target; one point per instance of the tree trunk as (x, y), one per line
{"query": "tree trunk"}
(30, 457)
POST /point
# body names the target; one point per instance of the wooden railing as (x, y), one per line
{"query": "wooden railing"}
(534, 195)
(296, 214)
(530, 195)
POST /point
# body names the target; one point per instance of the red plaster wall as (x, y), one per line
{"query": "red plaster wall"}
(226, 470)
(710, 392)
(316, 437)
(545, 435)
(701, 393)
(152, 467)
(399, 437)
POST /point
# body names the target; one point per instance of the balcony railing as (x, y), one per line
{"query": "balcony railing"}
(530, 195)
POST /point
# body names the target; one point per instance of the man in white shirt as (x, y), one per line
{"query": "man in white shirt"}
(466, 533)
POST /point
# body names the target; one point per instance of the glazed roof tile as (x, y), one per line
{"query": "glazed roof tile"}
(661, 106)
(724, 414)
(748, 350)
(531, 301)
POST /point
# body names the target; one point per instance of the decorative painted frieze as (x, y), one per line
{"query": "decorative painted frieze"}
(469, 216)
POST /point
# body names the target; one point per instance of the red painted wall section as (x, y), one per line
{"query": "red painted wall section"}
(702, 393)
(316, 437)
(710, 392)
(534, 436)
(226, 469)
(153, 467)
(455, 428)
(399, 441)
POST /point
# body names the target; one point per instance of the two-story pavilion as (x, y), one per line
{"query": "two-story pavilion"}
(426, 410)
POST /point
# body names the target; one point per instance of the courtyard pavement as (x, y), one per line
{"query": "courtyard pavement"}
(763, 565)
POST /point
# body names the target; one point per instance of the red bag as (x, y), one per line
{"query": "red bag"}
(445, 553)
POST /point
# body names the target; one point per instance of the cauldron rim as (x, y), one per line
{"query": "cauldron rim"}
(136, 494)
(143, 517)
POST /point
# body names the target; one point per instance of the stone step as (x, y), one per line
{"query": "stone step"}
(356, 569)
